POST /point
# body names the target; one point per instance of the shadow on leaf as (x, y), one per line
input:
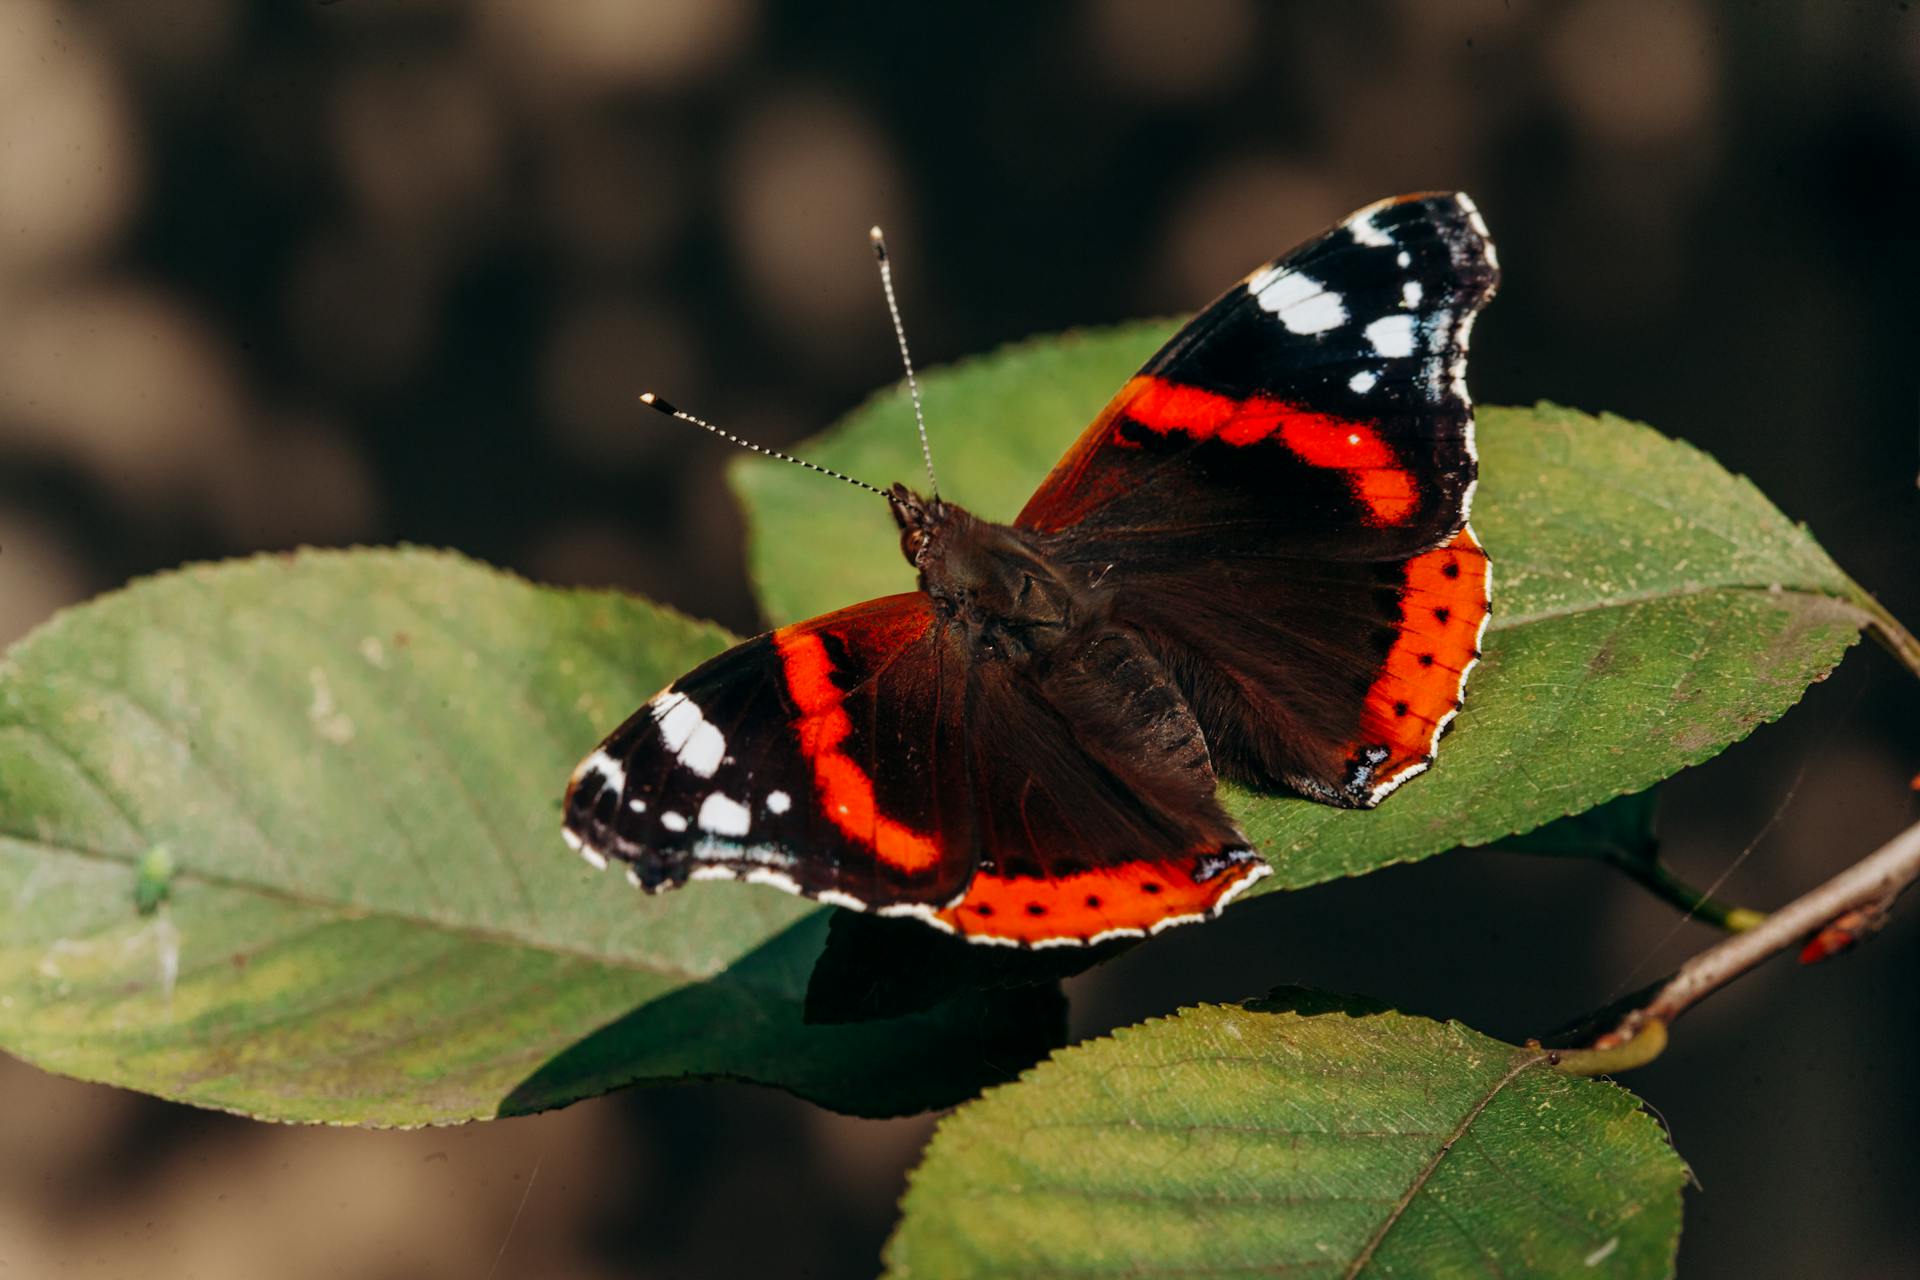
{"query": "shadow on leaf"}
(748, 1024)
(873, 967)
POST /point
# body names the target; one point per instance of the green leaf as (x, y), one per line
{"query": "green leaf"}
(342, 773)
(1294, 1137)
(1649, 608)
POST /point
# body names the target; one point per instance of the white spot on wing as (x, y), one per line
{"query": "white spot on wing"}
(685, 731)
(594, 858)
(1410, 294)
(1362, 382)
(673, 821)
(673, 709)
(704, 750)
(722, 815)
(612, 774)
(1405, 259)
(1300, 302)
(677, 718)
(1392, 336)
(780, 802)
(637, 805)
(1366, 231)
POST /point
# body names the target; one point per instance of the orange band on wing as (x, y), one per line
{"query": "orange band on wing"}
(1131, 898)
(846, 791)
(1443, 607)
(1374, 472)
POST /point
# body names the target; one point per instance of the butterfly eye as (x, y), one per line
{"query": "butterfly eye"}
(912, 541)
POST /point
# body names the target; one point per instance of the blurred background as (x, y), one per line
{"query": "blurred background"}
(289, 272)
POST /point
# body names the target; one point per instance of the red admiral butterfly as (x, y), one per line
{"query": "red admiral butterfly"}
(1254, 565)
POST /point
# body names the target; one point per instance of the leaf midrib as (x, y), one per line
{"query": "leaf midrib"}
(1679, 591)
(1425, 1175)
(356, 911)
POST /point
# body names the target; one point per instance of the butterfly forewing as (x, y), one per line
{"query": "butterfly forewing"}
(825, 758)
(862, 759)
(1318, 408)
(1282, 493)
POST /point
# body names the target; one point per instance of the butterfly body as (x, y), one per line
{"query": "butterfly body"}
(1012, 602)
(1254, 565)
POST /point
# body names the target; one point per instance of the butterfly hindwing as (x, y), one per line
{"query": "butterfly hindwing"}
(1332, 679)
(1096, 799)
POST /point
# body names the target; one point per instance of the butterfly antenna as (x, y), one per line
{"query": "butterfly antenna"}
(906, 358)
(653, 401)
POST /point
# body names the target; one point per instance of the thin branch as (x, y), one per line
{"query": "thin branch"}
(1869, 886)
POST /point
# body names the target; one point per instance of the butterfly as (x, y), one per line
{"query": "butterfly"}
(1254, 565)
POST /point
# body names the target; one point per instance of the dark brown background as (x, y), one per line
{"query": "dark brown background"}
(286, 272)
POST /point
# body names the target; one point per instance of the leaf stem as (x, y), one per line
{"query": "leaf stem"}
(1871, 885)
(1653, 875)
(1637, 1052)
(1887, 629)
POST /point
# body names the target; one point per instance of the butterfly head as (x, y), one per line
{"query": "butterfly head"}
(921, 521)
(1003, 589)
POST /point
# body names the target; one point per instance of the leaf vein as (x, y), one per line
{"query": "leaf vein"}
(1426, 1172)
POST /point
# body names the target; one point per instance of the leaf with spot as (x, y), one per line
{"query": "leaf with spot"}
(1296, 1136)
(1649, 608)
(282, 837)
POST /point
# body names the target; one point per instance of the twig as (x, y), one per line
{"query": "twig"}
(1869, 885)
